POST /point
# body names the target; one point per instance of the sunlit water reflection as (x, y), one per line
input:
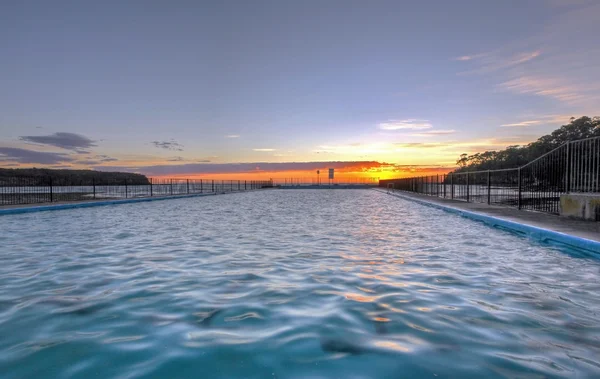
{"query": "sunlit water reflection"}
(289, 284)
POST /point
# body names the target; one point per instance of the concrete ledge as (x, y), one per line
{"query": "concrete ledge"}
(100, 203)
(584, 206)
(533, 232)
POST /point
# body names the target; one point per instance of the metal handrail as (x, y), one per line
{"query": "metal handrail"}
(537, 185)
(46, 189)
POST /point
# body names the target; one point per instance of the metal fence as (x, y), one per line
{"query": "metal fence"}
(33, 190)
(538, 185)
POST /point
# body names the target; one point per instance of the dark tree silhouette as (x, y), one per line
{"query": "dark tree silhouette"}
(515, 156)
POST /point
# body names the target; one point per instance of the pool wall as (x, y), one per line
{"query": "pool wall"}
(54, 207)
(534, 232)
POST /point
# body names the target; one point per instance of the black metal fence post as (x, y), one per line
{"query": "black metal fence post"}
(94, 187)
(200, 185)
(188, 185)
(489, 187)
(213, 186)
(467, 187)
(51, 194)
(171, 187)
(151, 187)
(520, 189)
(568, 169)
(452, 186)
(126, 195)
(245, 185)
(445, 177)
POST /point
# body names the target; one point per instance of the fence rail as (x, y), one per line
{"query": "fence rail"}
(35, 190)
(538, 185)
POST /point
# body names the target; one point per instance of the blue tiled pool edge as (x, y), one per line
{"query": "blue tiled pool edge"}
(534, 232)
(100, 203)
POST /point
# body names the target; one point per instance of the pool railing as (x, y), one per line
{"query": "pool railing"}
(48, 189)
(573, 167)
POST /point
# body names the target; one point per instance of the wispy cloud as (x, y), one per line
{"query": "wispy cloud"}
(26, 156)
(232, 136)
(88, 162)
(531, 120)
(541, 86)
(168, 145)
(465, 58)
(354, 148)
(263, 150)
(105, 158)
(524, 57)
(431, 133)
(419, 145)
(408, 124)
(499, 60)
(524, 123)
(556, 61)
(68, 141)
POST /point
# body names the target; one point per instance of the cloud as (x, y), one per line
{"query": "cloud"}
(232, 136)
(524, 123)
(353, 148)
(541, 86)
(531, 120)
(523, 57)
(431, 133)
(499, 60)
(30, 156)
(263, 150)
(105, 158)
(181, 159)
(465, 58)
(168, 145)
(420, 145)
(68, 141)
(87, 162)
(410, 124)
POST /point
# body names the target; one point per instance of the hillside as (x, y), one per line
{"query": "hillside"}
(69, 177)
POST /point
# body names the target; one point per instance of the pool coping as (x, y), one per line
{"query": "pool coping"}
(101, 203)
(533, 232)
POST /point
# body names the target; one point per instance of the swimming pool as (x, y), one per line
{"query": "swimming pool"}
(289, 284)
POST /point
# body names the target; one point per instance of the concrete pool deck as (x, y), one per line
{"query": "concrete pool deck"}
(578, 233)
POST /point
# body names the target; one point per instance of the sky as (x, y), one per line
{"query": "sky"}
(273, 89)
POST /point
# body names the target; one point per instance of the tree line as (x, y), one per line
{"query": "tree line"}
(516, 156)
(69, 177)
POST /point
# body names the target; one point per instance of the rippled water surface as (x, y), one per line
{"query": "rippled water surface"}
(289, 284)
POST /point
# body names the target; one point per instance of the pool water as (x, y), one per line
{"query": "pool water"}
(289, 284)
